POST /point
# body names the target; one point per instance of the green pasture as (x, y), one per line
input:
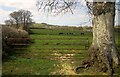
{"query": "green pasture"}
(52, 53)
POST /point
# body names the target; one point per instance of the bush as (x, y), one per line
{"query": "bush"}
(9, 32)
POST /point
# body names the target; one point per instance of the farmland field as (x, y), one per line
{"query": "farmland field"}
(54, 51)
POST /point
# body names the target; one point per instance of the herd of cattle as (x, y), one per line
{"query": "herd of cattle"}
(61, 33)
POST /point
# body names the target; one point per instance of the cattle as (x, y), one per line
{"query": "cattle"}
(82, 33)
(70, 33)
(61, 33)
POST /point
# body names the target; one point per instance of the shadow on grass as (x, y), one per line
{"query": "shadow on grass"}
(11, 54)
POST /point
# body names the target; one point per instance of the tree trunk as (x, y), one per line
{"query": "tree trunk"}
(17, 24)
(103, 49)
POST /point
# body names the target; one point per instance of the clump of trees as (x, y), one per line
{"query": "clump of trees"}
(18, 29)
(20, 19)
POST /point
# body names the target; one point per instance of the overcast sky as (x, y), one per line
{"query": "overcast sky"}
(80, 17)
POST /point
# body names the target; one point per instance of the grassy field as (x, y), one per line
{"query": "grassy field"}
(52, 53)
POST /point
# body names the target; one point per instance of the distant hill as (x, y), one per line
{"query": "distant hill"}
(48, 26)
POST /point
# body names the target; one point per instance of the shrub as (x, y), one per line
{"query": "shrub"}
(9, 32)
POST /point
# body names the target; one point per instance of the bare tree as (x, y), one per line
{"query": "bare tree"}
(56, 7)
(103, 50)
(22, 17)
(9, 22)
(25, 18)
(16, 17)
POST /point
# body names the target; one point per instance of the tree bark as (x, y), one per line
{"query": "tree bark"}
(103, 49)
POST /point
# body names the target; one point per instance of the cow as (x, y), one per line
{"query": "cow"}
(82, 33)
(61, 33)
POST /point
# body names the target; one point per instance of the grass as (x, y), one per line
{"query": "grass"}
(24, 66)
(51, 53)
